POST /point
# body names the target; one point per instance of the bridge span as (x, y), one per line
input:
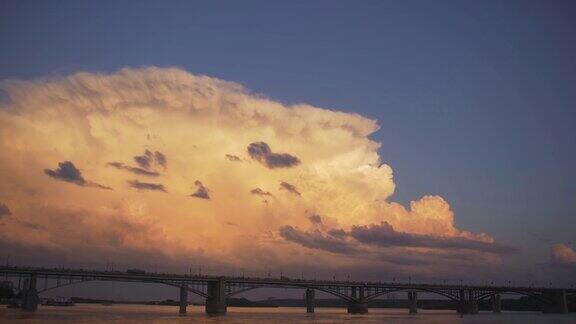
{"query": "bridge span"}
(215, 289)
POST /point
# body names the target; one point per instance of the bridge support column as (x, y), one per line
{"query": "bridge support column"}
(30, 295)
(413, 302)
(559, 304)
(496, 303)
(183, 300)
(309, 300)
(216, 301)
(358, 305)
(468, 305)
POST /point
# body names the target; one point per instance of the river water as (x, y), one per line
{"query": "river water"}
(91, 313)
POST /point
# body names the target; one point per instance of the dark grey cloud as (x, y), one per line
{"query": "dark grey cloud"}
(337, 232)
(260, 192)
(233, 158)
(68, 172)
(148, 164)
(4, 210)
(201, 191)
(135, 170)
(340, 242)
(145, 160)
(290, 188)
(146, 186)
(262, 153)
(315, 219)
(384, 235)
(148, 160)
(161, 159)
(32, 226)
(317, 240)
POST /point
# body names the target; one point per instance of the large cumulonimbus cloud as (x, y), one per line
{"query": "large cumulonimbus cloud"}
(307, 160)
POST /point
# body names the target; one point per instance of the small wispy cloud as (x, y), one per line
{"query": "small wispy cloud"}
(233, 158)
(201, 191)
(135, 170)
(4, 210)
(290, 188)
(147, 186)
(260, 192)
(262, 153)
(68, 172)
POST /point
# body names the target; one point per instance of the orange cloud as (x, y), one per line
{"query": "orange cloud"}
(307, 160)
(563, 254)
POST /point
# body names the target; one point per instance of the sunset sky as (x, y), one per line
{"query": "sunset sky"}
(379, 140)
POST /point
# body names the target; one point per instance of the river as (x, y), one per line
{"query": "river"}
(92, 313)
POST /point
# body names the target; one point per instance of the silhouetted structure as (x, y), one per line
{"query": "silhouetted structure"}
(217, 288)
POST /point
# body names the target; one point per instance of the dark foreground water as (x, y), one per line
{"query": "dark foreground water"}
(86, 313)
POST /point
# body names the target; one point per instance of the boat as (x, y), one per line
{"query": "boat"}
(58, 301)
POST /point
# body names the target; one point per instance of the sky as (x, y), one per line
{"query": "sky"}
(372, 138)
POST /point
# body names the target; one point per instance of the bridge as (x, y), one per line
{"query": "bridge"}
(215, 289)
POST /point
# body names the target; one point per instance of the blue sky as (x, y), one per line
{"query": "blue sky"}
(475, 99)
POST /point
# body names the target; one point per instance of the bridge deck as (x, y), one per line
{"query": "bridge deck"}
(52, 273)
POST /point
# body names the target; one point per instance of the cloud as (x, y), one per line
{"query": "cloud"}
(149, 160)
(262, 153)
(337, 232)
(160, 159)
(260, 192)
(327, 158)
(316, 240)
(315, 219)
(340, 242)
(146, 186)
(290, 188)
(135, 170)
(201, 191)
(68, 172)
(145, 161)
(384, 235)
(4, 210)
(232, 158)
(563, 254)
(148, 164)
(31, 225)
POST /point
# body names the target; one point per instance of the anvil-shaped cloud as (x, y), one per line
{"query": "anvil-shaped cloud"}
(310, 162)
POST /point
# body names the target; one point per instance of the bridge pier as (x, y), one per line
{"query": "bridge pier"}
(413, 302)
(559, 305)
(216, 301)
(496, 303)
(309, 300)
(183, 299)
(357, 305)
(468, 305)
(30, 295)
